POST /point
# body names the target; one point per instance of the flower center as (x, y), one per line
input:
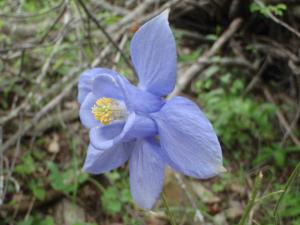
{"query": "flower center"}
(107, 110)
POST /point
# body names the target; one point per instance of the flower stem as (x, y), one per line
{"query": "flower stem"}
(168, 212)
(290, 181)
(251, 203)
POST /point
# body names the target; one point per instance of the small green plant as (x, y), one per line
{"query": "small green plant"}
(128, 220)
(237, 119)
(110, 201)
(65, 180)
(84, 224)
(214, 36)
(290, 207)
(37, 189)
(113, 198)
(108, 18)
(27, 165)
(37, 220)
(288, 204)
(190, 57)
(276, 153)
(265, 10)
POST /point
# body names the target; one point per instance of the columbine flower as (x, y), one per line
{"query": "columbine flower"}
(137, 124)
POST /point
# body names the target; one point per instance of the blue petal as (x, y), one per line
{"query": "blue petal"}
(82, 93)
(107, 86)
(143, 102)
(101, 161)
(136, 126)
(85, 113)
(106, 137)
(188, 139)
(86, 80)
(153, 52)
(142, 127)
(146, 174)
(107, 83)
(138, 100)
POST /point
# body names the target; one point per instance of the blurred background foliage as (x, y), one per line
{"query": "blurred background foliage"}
(249, 89)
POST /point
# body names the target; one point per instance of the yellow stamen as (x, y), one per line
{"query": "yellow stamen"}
(106, 110)
(102, 110)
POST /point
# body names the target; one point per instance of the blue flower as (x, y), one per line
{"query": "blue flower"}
(138, 124)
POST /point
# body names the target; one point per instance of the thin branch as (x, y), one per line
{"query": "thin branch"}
(24, 16)
(140, 9)
(39, 115)
(257, 76)
(296, 118)
(107, 35)
(182, 185)
(53, 120)
(38, 44)
(113, 8)
(278, 21)
(227, 61)
(56, 46)
(48, 60)
(56, 100)
(199, 66)
(54, 24)
(122, 45)
(17, 152)
(282, 118)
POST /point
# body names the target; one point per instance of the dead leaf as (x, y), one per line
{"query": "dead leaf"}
(235, 210)
(220, 219)
(203, 193)
(53, 146)
(68, 213)
(157, 218)
(71, 105)
(237, 188)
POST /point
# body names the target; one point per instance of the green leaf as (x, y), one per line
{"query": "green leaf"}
(126, 195)
(84, 223)
(28, 221)
(113, 175)
(48, 221)
(82, 177)
(27, 166)
(191, 57)
(37, 189)
(60, 181)
(218, 187)
(110, 201)
(279, 156)
(112, 19)
(225, 79)
(254, 7)
(265, 10)
(39, 193)
(212, 37)
(211, 71)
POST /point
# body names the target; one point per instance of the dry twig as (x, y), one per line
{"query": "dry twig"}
(199, 66)
(281, 118)
(198, 214)
(278, 21)
(107, 35)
